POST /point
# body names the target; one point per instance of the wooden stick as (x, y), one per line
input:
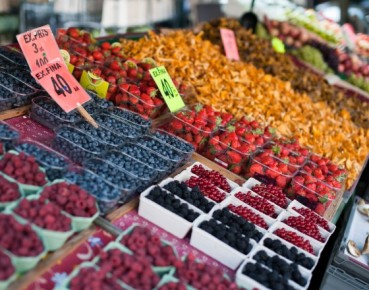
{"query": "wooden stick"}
(87, 116)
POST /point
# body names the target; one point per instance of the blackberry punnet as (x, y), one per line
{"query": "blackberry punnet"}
(93, 279)
(266, 277)
(279, 265)
(168, 201)
(291, 254)
(136, 271)
(237, 224)
(249, 215)
(214, 176)
(259, 203)
(272, 193)
(228, 235)
(313, 217)
(22, 168)
(194, 196)
(206, 187)
(143, 243)
(70, 198)
(19, 239)
(45, 215)
(295, 239)
(305, 226)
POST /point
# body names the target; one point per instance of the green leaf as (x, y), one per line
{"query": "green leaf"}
(276, 149)
(341, 177)
(323, 199)
(272, 130)
(198, 107)
(231, 128)
(258, 131)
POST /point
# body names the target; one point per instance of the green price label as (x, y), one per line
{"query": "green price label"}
(167, 88)
(278, 45)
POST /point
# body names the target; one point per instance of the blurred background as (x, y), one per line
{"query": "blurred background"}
(111, 16)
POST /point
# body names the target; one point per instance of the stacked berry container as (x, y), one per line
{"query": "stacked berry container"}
(8, 135)
(194, 124)
(131, 117)
(54, 163)
(13, 58)
(14, 92)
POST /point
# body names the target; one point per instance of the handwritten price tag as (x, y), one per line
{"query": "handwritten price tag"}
(167, 88)
(229, 44)
(39, 46)
(61, 85)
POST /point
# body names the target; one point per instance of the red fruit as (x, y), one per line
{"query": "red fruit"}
(105, 45)
(207, 188)
(6, 267)
(305, 226)
(259, 203)
(93, 279)
(214, 176)
(9, 191)
(271, 193)
(249, 215)
(295, 239)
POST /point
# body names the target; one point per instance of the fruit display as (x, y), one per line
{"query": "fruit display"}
(287, 270)
(265, 97)
(313, 217)
(291, 254)
(23, 168)
(105, 193)
(150, 246)
(237, 224)
(312, 192)
(185, 148)
(228, 149)
(207, 188)
(257, 202)
(19, 239)
(272, 193)
(8, 135)
(249, 215)
(76, 144)
(70, 198)
(214, 176)
(193, 196)
(194, 124)
(229, 236)
(131, 117)
(294, 239)
(6, 267)
(9, 191)
(93, 278)
(45, 215)
(265, 276)
(55, 164)
(304, 226)
(170, 202)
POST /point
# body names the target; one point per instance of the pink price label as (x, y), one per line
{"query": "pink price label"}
(229, 44)
(61, 85)
(38, 46)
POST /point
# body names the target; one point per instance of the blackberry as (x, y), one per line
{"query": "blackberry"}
(194, 196)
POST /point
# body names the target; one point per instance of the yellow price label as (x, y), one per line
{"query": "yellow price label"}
(167, 88)
(94, 83)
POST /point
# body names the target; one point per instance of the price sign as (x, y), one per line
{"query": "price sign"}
(94, 83)
(229, 44)
(61, 85)
(39, 47)
(167, 88)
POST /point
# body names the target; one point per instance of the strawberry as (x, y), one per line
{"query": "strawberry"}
(255, 168)
(105, 45)
(234, 157)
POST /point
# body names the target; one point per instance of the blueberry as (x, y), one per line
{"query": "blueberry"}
(100, 102)
(131, 117)
(118, 126)
(54, 165)
(114, 175)
(136, 151)
(7, 135)
(174, 141)
(13, 56)
(48, 112)
(26, 77)
(105, 193)
(194, 196)
(161, 149)
(101, 134)
(76, 145)
(171, 203)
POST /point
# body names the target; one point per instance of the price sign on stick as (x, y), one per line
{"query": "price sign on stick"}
(39, 46)
(167, 88)
(48, 68)
(229, 44)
